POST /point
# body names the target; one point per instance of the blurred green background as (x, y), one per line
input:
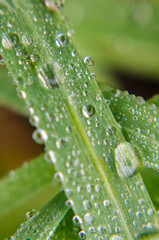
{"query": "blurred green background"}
(123, 38)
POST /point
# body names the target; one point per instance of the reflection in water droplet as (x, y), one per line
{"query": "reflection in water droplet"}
(47, 77)
(10, 41)
(89, 61)
(88, 111)
(62, 40)
(40, 136)
(127, 160)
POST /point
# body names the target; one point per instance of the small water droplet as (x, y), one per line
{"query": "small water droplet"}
(50, 157)
(31, 213)
(89, 61)
(34, 120)
(77, 220)
(88, 111)
(69, 203)
(40, 136)
(62, 40)
(27, 40)
(127, 161)
(88, 217)
(59, 177)
(115, 237)
(22, 94)
(54, 5)
(87, 204)
(10, 41)
(110, 130)
(60, 143)
(47, 77)
(82, 235)
(106, 203)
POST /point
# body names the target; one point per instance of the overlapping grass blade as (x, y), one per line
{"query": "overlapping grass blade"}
(81, 135)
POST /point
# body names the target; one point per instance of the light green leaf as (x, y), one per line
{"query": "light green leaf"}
(140, 124)
(43, 224)
(82, 138)
(25, 182)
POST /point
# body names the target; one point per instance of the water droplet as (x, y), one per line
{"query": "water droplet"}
(88, 111)
(34, 57)
(106, 203)
(54, 5)
(87, 204)
(110, 130)
(50, 157)
(88, 217)
(22, 94)
(89, 61)
(62, 40)
(47, 77)
(126, 160)
(31, 213)
(150, 212)
(77, 220)
(101, 229)
(27, 40)
(69, 203)
(34, 120)
(10, 41)
(82, 235)
(40, 136)
(59, 177)
(60, 143)
(115, 237)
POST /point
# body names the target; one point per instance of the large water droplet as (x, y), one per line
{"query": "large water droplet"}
(89, 61)
(10, 41)
(47, 77)
(40, 136)
(62, 40)
(127, 160)
(88, 111)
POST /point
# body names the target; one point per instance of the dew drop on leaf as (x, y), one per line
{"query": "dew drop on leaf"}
(89, 61)
(47, 77)
(27, 40)
(110, 130)
(88, 217)
(31, 213)
(77, 220)
(50, 157)
(69, 203)
(40, 136)
(59, 177)
(34, 120)
(82, 235)
(22, 94)
(10, 41)
(87, 204)
(88, 111)
(115, 237)
(127, 161)
(54, 5)
(62, 40)
(60, 143)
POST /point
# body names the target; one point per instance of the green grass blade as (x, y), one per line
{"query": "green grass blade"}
(140, 124)
(82, 137)
(8, 95)
(43, 224)
(155, 100)
(22, 184)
